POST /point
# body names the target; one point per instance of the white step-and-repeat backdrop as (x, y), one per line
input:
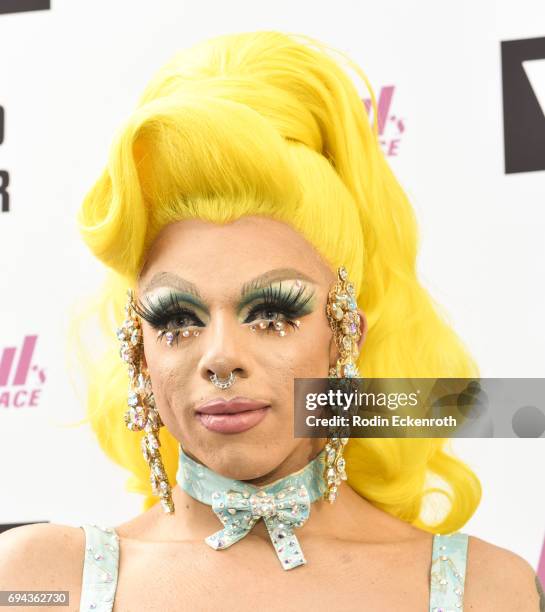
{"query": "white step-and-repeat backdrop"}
(461, 98)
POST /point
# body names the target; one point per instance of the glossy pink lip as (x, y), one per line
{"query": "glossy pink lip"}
(235, 416)
(233, 406)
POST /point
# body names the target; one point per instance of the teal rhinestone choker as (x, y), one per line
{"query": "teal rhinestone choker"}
(283, 504)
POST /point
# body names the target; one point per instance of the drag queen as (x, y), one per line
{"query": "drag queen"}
(253, 234)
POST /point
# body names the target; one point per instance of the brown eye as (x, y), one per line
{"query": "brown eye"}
(182, 321)
(167, 313)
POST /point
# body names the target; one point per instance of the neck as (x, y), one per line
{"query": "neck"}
(351, 517)
(194, 493)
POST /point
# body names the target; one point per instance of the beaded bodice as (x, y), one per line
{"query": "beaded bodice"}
(100, 568)
(101, 564)
(448, 572)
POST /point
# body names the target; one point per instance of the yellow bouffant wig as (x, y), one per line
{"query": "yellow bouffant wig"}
(268, 123)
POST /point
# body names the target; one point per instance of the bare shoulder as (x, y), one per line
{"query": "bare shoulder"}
(42, 556)
(499, 579)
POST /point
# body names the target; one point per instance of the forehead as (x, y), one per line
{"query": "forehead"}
(215, 255)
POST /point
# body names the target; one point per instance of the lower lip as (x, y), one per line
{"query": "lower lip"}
(233, 423)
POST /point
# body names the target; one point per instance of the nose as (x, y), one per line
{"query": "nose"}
(224, 347)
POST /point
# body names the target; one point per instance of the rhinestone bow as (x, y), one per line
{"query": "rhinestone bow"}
(283, 505)
(283, 511)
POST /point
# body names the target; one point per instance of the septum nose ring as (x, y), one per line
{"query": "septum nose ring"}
(222, 383)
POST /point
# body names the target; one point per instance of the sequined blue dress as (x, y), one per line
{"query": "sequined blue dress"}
(100, 570)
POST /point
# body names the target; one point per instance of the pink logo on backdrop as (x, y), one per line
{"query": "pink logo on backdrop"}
(390, 126)
(541, 565)
(20, 380)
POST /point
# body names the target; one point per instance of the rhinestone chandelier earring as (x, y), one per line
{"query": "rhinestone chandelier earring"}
(344, 320)
(142, 414)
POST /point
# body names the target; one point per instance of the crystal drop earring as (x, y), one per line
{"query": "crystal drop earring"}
(142, 414)
(344, 320)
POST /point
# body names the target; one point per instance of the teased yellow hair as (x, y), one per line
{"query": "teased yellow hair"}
(269, 123)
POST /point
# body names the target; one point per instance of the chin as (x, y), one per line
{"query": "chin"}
(241, 459)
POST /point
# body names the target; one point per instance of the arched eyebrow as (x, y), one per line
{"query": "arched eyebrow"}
(169, 279)
(278, 274)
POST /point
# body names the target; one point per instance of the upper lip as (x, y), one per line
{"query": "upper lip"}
(234, 405)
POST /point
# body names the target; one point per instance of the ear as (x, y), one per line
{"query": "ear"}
(334, 351)
(144, 360)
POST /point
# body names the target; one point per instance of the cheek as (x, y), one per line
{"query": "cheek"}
(166, 370)
(305, 354)
(313, 350)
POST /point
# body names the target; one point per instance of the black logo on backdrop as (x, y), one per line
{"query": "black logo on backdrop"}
(20, 6)
(6, 526)
(523, 112)
(4, 174)
(14, 6)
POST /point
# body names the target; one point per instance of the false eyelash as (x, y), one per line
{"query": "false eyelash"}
(289, 304)
(168, 309)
